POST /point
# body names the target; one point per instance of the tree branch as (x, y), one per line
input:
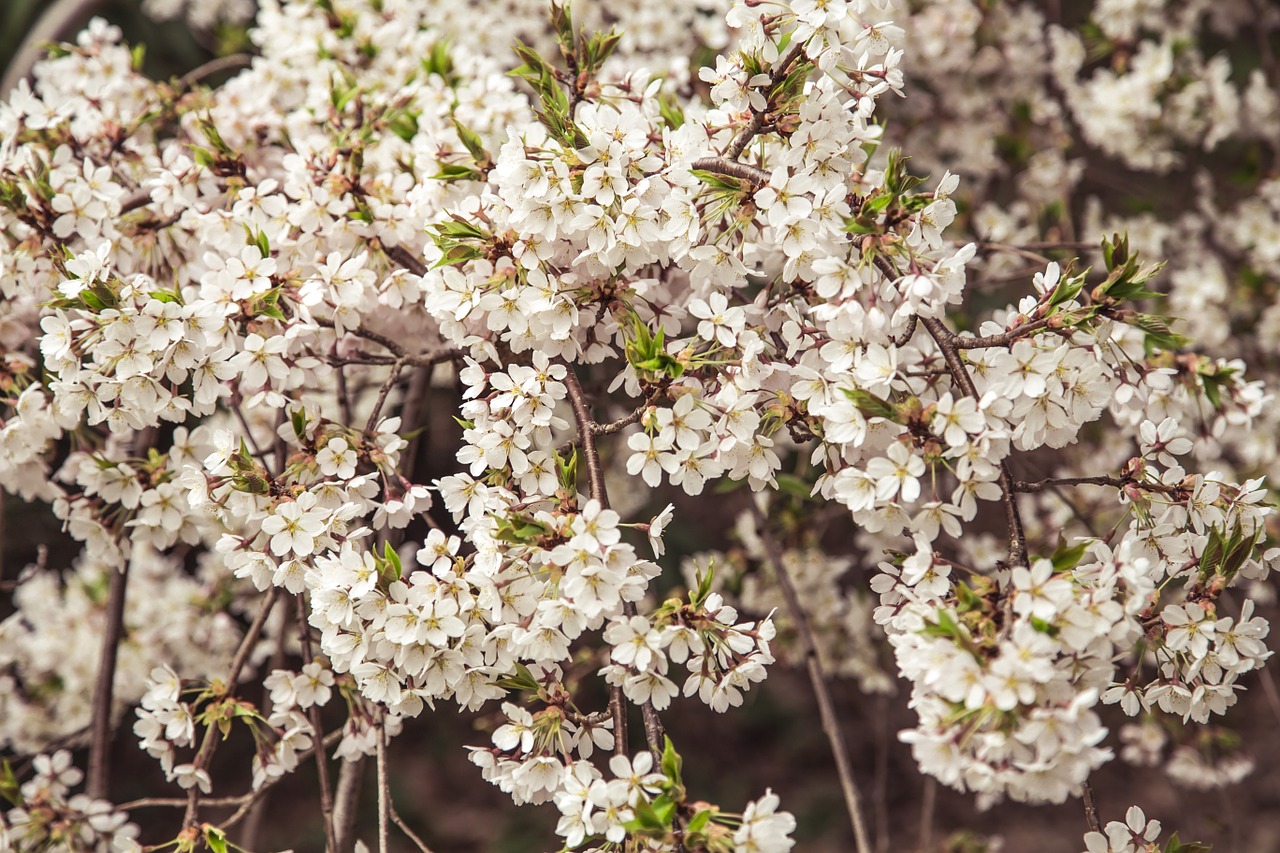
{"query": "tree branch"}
(1090, 807)
(104, 688)
(744, 137)
(733, 169)
(946, 341)
(210, 742)
(234, 62)
(1050, 483)
(384, 791)
(654, 732)
(817, 678)
(322, 763)
(404, 827)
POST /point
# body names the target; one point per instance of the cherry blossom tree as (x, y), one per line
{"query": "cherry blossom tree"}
(979, 443)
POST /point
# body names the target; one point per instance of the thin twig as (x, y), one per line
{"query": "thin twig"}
(404, 827)
(928, 802)
(779, 71)
(946, 341)
(385, 390)
(210, 742)
(406, 260)
(733, 169)
(384, 794)
(826, 708)
(621, 423)
(1090, 807)
(181, 802)
(1042, 485)
(654, 731)
(420, 359)
(252, 797)
(1000, 340)
(234, 62)
(104, 687)
(907, 333)
(322, 762)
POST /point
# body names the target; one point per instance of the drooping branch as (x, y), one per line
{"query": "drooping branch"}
(587, 431)
(818, 679)
(945, 339)
(104, 687)
(313, 713)
(384, 789)
(210, 742)
(1090, 807)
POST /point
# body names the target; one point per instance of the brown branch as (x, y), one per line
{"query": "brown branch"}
(621, 423)
(181, 802)
(210, 742)
(322, 763)
(817, 678)
(234, 62)
(253, 796)
(346, 798)
(384, 789)
(946, 341)
(733, 169)
(1090, 807)
(1002, 339)
(928, 804)
(654, 732)
(907, 333)
(1043, 485)
(744, 137)
(401, 256)
(104, 687)
(420, 359)
(404, 827)
(392, 379)
(586, 435)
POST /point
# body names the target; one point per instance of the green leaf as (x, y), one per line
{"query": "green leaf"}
(1158, 333)
(215, 838)
(392, 560)
(669, 109)
(870, 405)
(456, 172)
(944, 627)
(473, 143)
(567, 470)
(438, 61)
(698, 822)
(522, 680)
(1068, 556)
(794, 486)
(671, 761)
(704, 584)
(9, 787)
(1067, 289)
(717, 181)
(647, 817)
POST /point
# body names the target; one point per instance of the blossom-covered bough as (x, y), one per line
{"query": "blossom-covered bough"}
(229, 313)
